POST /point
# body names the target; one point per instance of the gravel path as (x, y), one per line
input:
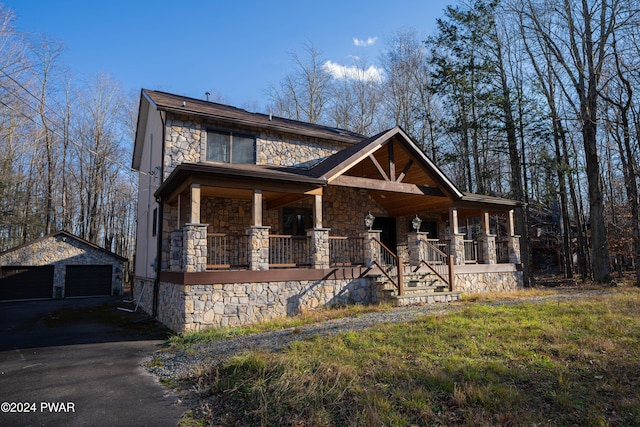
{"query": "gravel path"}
(177, 365)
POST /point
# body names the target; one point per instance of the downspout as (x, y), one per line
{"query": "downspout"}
(156, 282)
(159, 234)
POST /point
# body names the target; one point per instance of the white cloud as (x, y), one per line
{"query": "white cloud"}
(363, 43)
(352, 72)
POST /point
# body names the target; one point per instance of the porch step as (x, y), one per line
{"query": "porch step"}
(422, 287)
(425, 298)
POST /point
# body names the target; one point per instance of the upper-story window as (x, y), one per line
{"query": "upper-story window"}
(229, 147)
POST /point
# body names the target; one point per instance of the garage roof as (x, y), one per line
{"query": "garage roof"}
(70, 236)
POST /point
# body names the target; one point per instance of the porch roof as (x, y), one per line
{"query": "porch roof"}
(239, 176)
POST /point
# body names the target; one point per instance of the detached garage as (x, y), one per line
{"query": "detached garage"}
(59, 265)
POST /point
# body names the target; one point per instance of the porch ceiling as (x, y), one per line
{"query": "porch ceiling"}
(400, 204)
(273, 199)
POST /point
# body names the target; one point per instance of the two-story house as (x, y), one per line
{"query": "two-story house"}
(245, 216)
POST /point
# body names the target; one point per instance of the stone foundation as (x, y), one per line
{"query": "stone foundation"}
(143, 288)
(196, 307)
(477, 279)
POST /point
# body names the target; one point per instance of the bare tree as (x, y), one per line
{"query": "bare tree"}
(620, 95)
(355, 100)
(302, 94)
(580, 41)
(408, 95)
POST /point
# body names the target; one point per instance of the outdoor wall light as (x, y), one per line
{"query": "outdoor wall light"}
(416, 223)
(368, 220)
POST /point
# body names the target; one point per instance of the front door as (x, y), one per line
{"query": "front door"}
(388, 236)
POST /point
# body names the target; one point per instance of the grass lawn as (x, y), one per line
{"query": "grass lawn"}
(552, 363)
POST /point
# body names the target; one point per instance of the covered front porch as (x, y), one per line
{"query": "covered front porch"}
(218, 226)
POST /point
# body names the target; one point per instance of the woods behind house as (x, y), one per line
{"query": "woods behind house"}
(533, 100)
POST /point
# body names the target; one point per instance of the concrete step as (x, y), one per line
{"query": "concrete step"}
(425, 298)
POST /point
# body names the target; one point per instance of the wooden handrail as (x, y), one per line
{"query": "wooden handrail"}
(400, 282)
(444, 279)
(446, 260)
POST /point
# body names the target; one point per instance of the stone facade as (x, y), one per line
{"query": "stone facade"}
(478, 280)
(194, 248)
(196, 307)
(346, 208)
(258, 248)
(183, 143)
(62, 249)
(319, 238)
(303, 153)
(186, 142)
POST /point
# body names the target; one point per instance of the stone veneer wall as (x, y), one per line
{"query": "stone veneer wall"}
(195, 307)
(143, 294)
(225, 215)
(272, 149)
(60, 251)
(186, 142)
(479, 282)
(344, 209)
(183, 143)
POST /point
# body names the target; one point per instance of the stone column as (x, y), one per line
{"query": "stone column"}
(319, 241)
(513, 241)
(456, 248)
(456, 240)
(513, 244)
(194, 248)
(415, 247)
(175, 251)
(487, 241)
(371, 252)
(258, 247)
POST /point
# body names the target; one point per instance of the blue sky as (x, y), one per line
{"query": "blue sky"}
(233, 48)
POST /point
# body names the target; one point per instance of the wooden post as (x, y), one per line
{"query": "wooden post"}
(452, 277)
(510, 224)
(256, 208)
(400, 278)
(486, 229)
(317, 211)
(453, 220)
(195, 204)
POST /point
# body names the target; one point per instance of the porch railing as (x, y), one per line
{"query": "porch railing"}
(437, 261)
(441, 245)
(502, 251)
(389, 264)
(470, 251)
(227, 250)
(344, 251)
(289, 250)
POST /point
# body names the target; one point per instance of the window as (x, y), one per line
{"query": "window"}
(228, 147)
(296, 220)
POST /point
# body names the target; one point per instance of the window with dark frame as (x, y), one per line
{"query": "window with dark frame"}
(229, 147)
(296, 221)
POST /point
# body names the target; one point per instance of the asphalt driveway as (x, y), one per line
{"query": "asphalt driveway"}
(77, 362)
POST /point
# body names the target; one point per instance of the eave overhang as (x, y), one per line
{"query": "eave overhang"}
(241, 177)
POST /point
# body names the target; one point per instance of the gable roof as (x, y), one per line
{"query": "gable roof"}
(341, 162)
(162, 101)
(64, 233)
